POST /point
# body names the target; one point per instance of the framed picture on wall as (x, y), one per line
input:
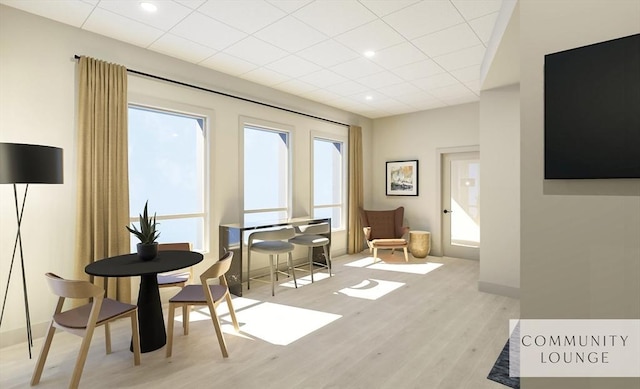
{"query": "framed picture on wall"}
(402, 178)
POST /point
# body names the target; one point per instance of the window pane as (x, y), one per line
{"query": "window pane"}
(335, 213)
(179, 230)
(266, 169)
(327, 172)
(264, 216)
(166, 162)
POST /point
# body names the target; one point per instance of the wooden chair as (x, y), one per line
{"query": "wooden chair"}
(310, 236)
(205, 294)
(384, 230)
(272, 242)
(174, 279)
(83, 320)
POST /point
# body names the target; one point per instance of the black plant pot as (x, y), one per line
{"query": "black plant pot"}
(147, 251)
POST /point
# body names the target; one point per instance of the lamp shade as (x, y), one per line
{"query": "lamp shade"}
(30, 164)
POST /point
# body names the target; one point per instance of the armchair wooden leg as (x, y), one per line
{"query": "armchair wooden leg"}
(406, 255)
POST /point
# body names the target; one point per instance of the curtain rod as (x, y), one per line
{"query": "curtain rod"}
(77, 57)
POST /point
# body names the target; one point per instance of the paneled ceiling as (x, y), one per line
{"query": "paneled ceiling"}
(375, 58)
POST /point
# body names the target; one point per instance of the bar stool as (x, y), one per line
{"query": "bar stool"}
(272, 242)
(310, 236)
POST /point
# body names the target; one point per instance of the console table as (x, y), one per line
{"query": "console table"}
(232, 239)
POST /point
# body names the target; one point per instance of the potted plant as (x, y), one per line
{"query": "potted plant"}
(148, 246)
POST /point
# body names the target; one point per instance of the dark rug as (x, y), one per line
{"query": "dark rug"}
(500, 371)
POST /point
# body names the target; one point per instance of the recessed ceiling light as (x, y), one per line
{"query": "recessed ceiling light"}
(369, 53)
(149, 7)
(368, 97)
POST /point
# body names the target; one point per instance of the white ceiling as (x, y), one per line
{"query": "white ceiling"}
(428, 53)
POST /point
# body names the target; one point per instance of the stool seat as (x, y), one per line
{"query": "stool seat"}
(309, 236)
(271, 242)
(272, 247)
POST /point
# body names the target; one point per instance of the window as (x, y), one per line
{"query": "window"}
(167, 167)
(266, 174)
(329, 180)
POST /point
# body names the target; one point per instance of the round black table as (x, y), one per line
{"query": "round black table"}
(150, 319)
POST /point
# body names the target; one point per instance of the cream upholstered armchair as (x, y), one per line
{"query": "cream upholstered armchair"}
(384, 230)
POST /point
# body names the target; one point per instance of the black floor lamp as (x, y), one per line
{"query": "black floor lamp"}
(27, 164)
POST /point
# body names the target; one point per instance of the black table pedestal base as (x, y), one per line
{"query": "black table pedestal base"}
(150, 319)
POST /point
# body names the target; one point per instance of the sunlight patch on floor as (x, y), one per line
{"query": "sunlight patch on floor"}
(306, 280)
(404, 267)
(371, 289)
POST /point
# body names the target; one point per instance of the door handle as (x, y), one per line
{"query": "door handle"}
(447, 211)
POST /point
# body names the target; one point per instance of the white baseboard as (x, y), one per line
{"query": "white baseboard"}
(502, 290)
(19, 335)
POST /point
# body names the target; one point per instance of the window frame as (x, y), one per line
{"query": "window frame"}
(151, 103)
(334, 138)
(265, 125)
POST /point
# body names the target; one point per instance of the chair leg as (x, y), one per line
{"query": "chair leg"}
(375, 254)
(107, 338)
(273, 290)
(185, 319)
(82, 357)
(310, 254)
(135, 337)
(406, 255)
(37, 372)
(293, 271)
(172, 309)
(232, 312)
(216, 325)
(327, 258)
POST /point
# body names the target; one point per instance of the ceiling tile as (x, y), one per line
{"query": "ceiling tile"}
(181, 48)
(356, 68)
(289, 6)
(293, 66)
(296, 87)
(323, 78)
(348, 88)
(123, 29)
(483, 26)
(418, 70)
(265, 76)
(169, 13)
(290, 34)
(379, 80)
(437, 81)
(424, 18)
(229, 64)
(420, 97)
(321, 95)
(372, 36)
(470, 73)
(451, 92)
(256, 51)
(398, 90)
(334, 17)
(202, 29)
(462, 58)
(398, 55)
(328, 53)
(472, 9)
(385, 7)
(247, 16)
(72, 12)
(193, 4)
(448, 40)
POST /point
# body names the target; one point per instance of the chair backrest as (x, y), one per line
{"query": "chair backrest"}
(384, 224)
(180, 246)
(73, 288)
(314, 229)
(280, 234)
(218, 269)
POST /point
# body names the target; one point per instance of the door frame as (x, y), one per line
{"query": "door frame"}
(440, 151)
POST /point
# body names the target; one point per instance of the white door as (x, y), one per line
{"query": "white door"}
(461, 205)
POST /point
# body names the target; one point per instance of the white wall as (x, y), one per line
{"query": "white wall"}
(580, 241)
(500, 189)
(419, 136)
(38, 105)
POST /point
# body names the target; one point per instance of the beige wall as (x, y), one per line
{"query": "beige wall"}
(37, 105)
(580, 255)
(420, 136)
(500, 188)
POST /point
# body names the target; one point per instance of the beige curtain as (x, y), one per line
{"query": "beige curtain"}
(355, 242)
(103, 182)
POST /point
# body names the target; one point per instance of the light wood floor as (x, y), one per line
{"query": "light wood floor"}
(434, 330)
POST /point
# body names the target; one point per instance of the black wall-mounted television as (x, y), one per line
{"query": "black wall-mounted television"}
(592, 111)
